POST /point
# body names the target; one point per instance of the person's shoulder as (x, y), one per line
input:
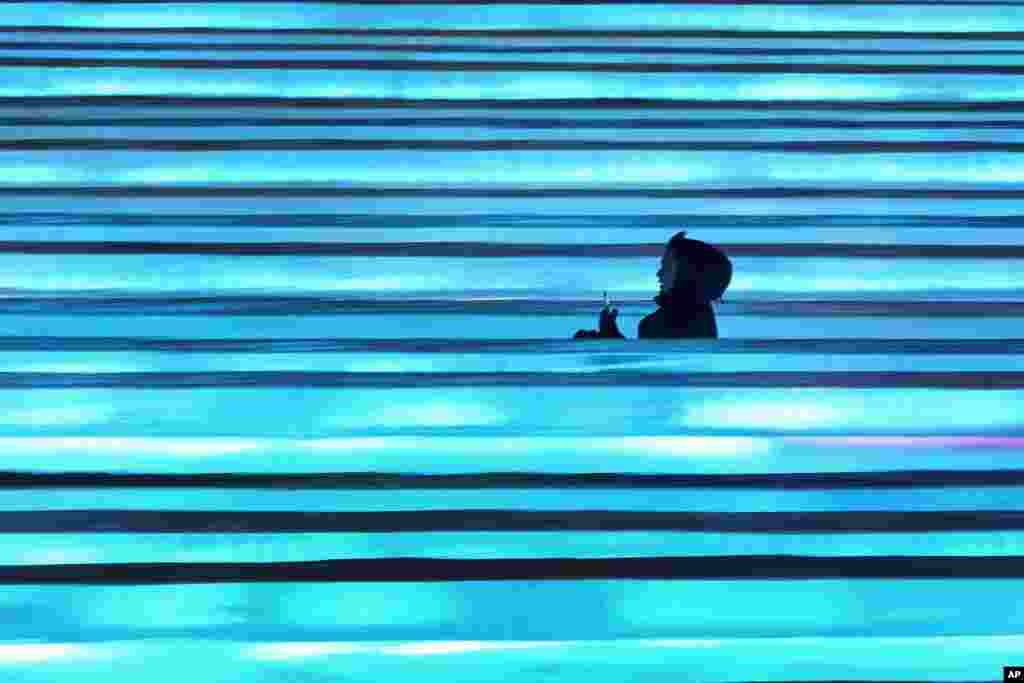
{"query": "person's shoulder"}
(651, 317)
(700, 323)
(651, 324)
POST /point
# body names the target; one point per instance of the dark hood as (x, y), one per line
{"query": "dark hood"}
(710, 276)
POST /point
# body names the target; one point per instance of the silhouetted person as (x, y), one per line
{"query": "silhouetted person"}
(692, 275)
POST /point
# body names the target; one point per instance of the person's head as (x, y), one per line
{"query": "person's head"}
(692, 269)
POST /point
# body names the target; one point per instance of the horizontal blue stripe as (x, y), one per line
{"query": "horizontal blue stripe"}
(592, 609)
(519, 144)
(374, 279)
(670, 453)
(62, 228)
(43, 81)
(459, 197)
(592, 105)
(198, 125)
(950, 659)
(569, 134)
(488, 249)
(311, 15)
(650, 350)
(655, 40)
(493, 411)
(752, 506)
(554, 50)
(209, 230)
(516, 309)
(241, 201)
(58, 362)
(966, 3)
(555, 224)
(92, 548)
(988, 323)
(376, 170)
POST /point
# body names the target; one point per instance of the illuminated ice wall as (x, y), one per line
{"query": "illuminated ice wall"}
(287, 384)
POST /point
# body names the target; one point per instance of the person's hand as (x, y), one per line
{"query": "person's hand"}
(608, 326)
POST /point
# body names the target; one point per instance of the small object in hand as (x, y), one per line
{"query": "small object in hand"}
(606, 324)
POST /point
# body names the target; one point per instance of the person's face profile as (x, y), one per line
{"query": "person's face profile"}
(667, 272)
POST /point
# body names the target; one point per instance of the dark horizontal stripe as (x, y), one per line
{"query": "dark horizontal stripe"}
(506, 250)
(625, 123)
(821, 147)
(116, 304)
(536, 33)
(489, 49)
(608, 378)
(306, 190)
(505, 220)
(499, 520)
(796, 481)
(169, 102)
(411, 569)
(517, 66)
(504, 347)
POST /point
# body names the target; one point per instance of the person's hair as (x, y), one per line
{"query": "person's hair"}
(678, 244)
